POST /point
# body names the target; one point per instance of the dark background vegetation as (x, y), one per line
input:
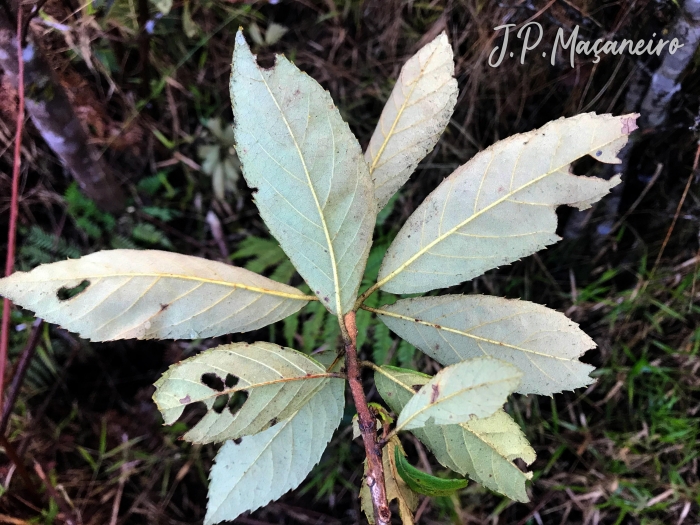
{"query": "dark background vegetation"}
(622, 451)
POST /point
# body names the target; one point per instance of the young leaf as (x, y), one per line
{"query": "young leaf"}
(500, 206)
(423, 483)
(483, 449)
(277, 380)
(396, 487)
(414, 117)
(543, 343)
(313, 186)
(249, 473)
(461, 392)
(150, 294)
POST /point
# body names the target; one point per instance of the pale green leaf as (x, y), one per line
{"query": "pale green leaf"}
(500, 206)
(461, 392)
(277, 380)
(313, 186)
(414, 117)
(543, 343)
(396, 487)
(260, 468)
(483, 449)
(150, 294)
(189, 26)
(274, 33)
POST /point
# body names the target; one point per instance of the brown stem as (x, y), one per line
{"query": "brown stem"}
(367, 424)
(18, 377)
(19, 465)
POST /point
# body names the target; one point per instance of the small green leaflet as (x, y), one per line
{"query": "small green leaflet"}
(543, 343)
(461, 392)
(150, 294)
(483, 449)
(423, 483)
(313, 186)
(501, 205)
(278, 382)
(249, 473)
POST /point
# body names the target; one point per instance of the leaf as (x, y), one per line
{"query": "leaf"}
(543, 343)
(260, 468)
(313, 186)
(277, 380)
(150, 294)
(483, 449)
(189, 27)
(396, 487)
(459, 393)
(414, 117)
(274, 33)
(423, 483)
(500, 206)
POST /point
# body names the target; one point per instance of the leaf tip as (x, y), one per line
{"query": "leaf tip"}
(629, 123)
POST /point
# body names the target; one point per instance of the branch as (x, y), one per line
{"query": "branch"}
(367, 424)
(20, 371)
(12, 229)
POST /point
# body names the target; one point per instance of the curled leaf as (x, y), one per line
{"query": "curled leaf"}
(423, 483)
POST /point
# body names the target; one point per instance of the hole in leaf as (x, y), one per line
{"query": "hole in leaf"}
(192, 413)
(220, 403)
(231, 381)
(237, 400)
(213, 381)
(65, 293)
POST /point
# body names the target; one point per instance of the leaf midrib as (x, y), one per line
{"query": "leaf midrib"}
(203, 280)
(415, 320)
(233, 390)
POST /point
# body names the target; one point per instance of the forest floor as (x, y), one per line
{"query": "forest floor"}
(623, 451)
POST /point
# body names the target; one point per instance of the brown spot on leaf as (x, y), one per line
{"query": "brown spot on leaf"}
(164, 307)
(237, 441)
(186, 399)
(435, 394)
(274, 421)
(416, 388)
(437, 326)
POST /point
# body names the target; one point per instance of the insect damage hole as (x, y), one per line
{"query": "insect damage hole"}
(64, 293)
(231, 381)
(213, 381)
(237, 400)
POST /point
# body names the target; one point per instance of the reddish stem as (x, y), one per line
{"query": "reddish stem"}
(368, 427)
(11, 234)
